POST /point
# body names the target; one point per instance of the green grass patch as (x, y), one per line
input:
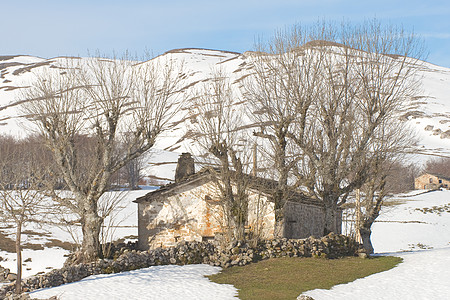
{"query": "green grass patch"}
(286, 278)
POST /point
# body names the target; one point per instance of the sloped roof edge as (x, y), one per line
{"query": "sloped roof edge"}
(261, 185)
(437, 175)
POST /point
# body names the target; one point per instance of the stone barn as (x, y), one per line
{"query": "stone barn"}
(430, 181)
(189, 210)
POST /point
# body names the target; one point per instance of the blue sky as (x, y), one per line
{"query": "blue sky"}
(54, 28)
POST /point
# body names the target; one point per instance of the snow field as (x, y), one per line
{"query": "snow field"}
(422, 275)
(425, 270)
(159, 282)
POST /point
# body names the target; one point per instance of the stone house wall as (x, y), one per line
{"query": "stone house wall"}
(168, 220)
(261, 215)
(193, 214)
(303, 220)
(190, 210)
(430, 181)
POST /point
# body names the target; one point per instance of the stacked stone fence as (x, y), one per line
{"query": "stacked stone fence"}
(238, 253)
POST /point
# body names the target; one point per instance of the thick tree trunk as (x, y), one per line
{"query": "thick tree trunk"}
(240, 217)
(279, 228)
(280, 194)
(279, 220)
(239, 231)
(19, 259)
(330, 212)
(279, 213)
(365, 236)
(91, 227)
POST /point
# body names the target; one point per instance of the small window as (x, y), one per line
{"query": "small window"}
(431, 180)
(440, 180)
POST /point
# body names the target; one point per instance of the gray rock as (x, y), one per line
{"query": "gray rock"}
(4, 274)
(11, 277)
(363, 255)
(23, 296)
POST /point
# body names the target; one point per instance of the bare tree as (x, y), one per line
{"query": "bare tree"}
(217, 122)
(439, 166)
(133, 172)
(386, 153)
(400, 177)
(102, 100)
(367, 83)
(281, 89)
(21, 197)
(345, 85)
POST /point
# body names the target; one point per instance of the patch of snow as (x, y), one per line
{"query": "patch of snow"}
(402, 231)
(41, 260)
(159, 282)
(402, 227)
(24, 59)
(160, 164)
(422, 275)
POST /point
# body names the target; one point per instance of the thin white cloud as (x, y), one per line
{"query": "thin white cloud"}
(436, 35)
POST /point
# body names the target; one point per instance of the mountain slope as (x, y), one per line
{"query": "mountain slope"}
(429, 113)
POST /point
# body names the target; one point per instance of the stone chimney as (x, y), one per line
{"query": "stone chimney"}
(185, 166)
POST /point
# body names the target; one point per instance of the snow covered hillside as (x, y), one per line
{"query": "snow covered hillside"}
(429, 114)
(18, 72)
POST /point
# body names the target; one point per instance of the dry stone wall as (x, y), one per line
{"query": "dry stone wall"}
(238, 253)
